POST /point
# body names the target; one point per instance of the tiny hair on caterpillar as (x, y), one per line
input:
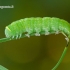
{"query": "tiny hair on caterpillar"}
(36, 26)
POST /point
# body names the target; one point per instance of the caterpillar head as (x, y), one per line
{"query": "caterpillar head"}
(8, 32)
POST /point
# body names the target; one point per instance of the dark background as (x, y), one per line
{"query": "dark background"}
(35, 53)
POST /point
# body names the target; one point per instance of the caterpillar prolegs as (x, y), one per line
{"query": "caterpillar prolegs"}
(38, 26)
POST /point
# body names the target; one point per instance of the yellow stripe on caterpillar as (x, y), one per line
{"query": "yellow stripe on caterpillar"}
(8, 28)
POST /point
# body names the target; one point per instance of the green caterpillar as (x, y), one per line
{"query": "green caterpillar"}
(38, 26)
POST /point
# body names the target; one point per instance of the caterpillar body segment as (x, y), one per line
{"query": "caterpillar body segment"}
(45, 25)
(64, 26)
